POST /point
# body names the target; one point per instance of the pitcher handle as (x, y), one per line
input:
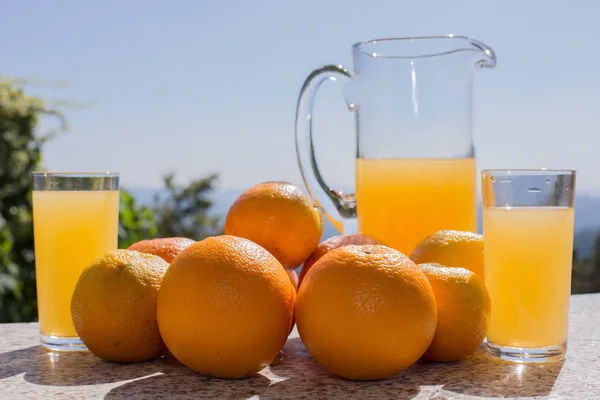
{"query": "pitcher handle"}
(338, 207)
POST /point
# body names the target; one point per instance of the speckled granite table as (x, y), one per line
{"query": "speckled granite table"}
(28, 371)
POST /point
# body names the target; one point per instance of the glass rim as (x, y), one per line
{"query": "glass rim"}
(528, 171)
(75, 181)
(75, 174)
(475, 43)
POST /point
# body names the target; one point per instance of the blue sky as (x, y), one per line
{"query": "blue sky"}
(206, 86)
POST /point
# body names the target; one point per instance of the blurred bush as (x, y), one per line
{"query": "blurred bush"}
(20, 154)
(136, 222)
(183, 211)
(176, 211)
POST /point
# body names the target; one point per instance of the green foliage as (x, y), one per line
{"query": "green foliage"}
(9, 275)
(136, 222)
(20, 154)
(183, 211)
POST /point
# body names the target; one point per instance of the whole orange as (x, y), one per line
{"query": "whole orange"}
(366, 312)
(333, 243)
(167, 248)
(279, 217)
(114, 306)
(452, 249)
(464, 308)
(225, 307)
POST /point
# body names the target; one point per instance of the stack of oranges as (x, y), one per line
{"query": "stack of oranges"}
(224, 306)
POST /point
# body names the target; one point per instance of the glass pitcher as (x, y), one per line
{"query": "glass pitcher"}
(415, 158)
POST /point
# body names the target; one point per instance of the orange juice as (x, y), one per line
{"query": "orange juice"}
(71, 229)
(528, 259)
(401, 201)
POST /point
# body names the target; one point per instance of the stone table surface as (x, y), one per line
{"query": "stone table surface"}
(29, 371)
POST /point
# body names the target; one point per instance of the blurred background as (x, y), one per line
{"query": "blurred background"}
(194, 101)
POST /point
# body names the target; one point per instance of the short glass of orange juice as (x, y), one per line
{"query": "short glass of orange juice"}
(75, 220)
(528, 222)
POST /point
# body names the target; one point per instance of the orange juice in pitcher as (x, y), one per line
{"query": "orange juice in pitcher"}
(402, 201)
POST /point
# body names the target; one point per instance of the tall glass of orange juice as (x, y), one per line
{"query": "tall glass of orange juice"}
(528, 220)
(415, 170)
(75, 220)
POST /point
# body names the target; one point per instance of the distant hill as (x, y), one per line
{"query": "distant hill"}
(587, 214)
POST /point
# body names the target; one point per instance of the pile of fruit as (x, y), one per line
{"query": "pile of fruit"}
(224, 306)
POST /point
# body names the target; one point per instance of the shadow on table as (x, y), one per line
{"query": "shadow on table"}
(305, 378)
(479, 375)
(43, 367)
(294, 374)
(17, 361)
(180, 382)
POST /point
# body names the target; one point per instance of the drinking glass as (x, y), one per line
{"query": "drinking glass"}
(412, 100)
(75, 220)
(528, 222)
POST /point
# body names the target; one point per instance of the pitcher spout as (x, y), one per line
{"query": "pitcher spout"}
(488, 56)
